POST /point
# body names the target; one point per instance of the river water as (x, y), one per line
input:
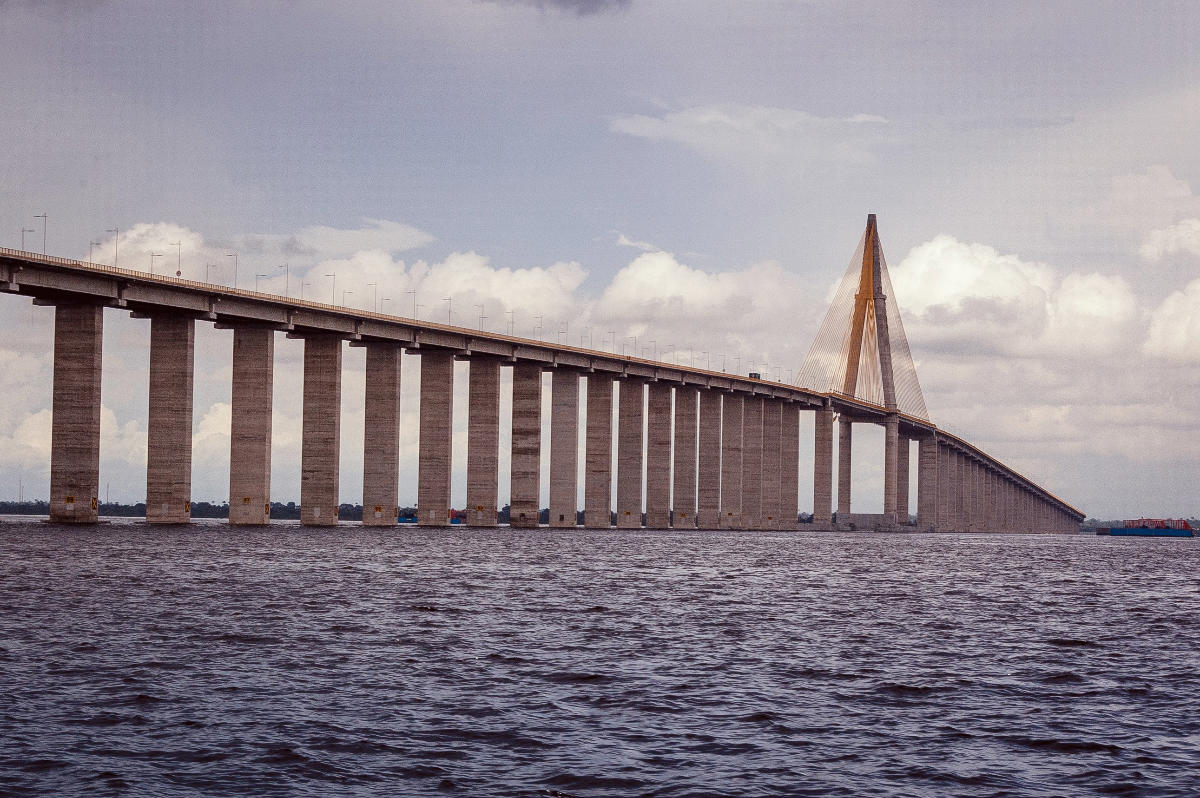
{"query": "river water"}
(286, 661)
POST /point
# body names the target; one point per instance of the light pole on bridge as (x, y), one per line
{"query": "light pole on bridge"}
(116, 231)
(25, 230)
(43, 217)
(234, 255)
(344, 292)
(92, 249)
(178, 257)
(154, 255)
(332, 288)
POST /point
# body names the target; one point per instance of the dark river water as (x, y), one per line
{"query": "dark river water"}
(158, 661)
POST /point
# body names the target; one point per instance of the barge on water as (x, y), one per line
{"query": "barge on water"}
(1151, 528)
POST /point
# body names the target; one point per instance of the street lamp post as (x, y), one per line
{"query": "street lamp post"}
(154, 255)
(449, 308)
(234, 255)
(178, 258)
(344, 292)
(25, 230)
(116, 231)
(302, 287)
(43, 217)
(481, 316)
(383, 304)
(256, 281)
(208, 267)
(414, 296)
(333, 288)
(287, 280)
(92, 249)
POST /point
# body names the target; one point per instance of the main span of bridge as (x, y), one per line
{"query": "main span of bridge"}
(694, 448)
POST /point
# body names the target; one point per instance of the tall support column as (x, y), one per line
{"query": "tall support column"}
(752, 463)
(483, 440)
(732, 409)
(658, 456)
(903, 481)
(75, 423)
(629, 455)
(772, 421)
(708, 466)
(381, 433)
(250, 428)
(951, 495)
(962, 499)
(526, 461)
(322, 431)
(990, 496)
(434, 448)
(564, 447)
(845, 450)
(891, 466)
(823, 468)
(789, 465)
(927, 483)
(169, 421)
(597, 485)
(683, 499)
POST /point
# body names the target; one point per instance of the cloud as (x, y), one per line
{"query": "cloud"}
(1183, 236)
(580, 8)
(1175, 326)
(644, 246)
(761, 137)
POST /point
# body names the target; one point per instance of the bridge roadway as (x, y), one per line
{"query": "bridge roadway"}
(735, 438)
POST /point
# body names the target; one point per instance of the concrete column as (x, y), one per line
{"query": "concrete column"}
(752, 462)
(990, 498)
(483, 441)
(708, 465)
(629, 455)
(381, 433)
(845, 432)
(789, 465)
(823, 468)
(75, 423)
(732, 409)
(434, 448)
(597, 485)
(250, 429)
(564, 447)
(903, 481)
(951, 495)
(526, 468)
(962, 494)
(683, 499)
(927, 483)
(169, 421)
(322, 431)
(891, 477)
(772, 421)
(658, 456)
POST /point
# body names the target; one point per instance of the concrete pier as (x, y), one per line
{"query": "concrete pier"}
(381, 434)
(434, 449)
(891, 451)
(483, 441)
(169, 420)
(683, 499)
(772, 421)
(708, 460)
(250, 428)
(597, 467)
(752, 463)
(903, 481)
(845, 453)
(322, 431)
(927, 484)
(732, 407)
(526, 461)
(75, 424)
(658, 456)
(789, 465)
(823, 468)
(629, 454)
(564, 447)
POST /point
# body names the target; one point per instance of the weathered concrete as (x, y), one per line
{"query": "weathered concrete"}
(823, 468)
(927, 484)
(752, 463)
(658, 456)
(564, 447)
(169, 420)
(845, 453)
(629, 454)
(483, 440)
(789, 465)
(526, 468)
(381, 434)
(250, 427)
(903, 481)
(891, 460)
(772, 421)
(732, 407)
(683, 499)
(946, 478)
(708, 461)
(962, 501)
(597, 475)
(322, 431)
(435, 446)
(75, 423)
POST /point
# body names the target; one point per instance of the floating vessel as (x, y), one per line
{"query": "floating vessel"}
(1151, 528)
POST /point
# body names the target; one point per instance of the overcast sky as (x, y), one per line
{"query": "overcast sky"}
(695, 174)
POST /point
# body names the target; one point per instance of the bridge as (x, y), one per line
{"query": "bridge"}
(719, 451)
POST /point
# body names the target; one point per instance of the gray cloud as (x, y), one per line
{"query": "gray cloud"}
(580, 8)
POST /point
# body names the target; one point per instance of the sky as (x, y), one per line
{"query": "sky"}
(690, 178)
